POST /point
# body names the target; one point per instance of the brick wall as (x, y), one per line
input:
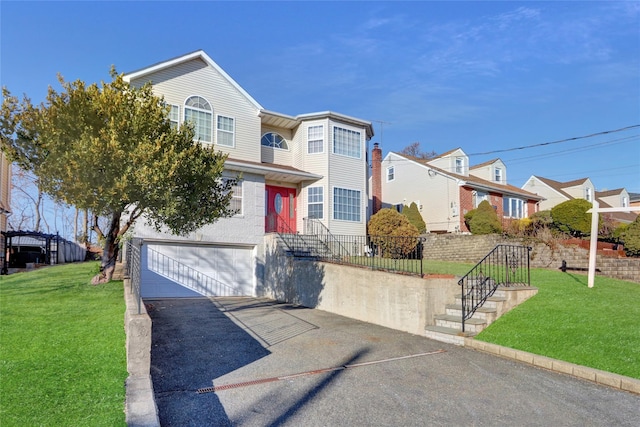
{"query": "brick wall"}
(469, 248)
(466, 204)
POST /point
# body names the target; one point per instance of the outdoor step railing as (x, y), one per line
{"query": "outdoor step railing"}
(505, 265)
(132, 268)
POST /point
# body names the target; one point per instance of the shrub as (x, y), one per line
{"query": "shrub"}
(631, 238)
(571, 217)
(541, 219)
(468, 217)
(519, 227)
(413, 215)
(484, 220)
(392, 234)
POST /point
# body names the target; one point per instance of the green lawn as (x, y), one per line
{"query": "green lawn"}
(597, 327)
(62, 352)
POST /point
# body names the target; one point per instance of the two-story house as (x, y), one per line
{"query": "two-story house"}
(556, 192)
(291, 167)
(446, 187)
(5, 202)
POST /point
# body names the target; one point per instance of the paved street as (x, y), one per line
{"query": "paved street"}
(243, 354)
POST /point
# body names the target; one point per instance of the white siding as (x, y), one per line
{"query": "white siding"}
(487, 172)
(448, 162)
(551, 196)
(195, 77)
(277, 155)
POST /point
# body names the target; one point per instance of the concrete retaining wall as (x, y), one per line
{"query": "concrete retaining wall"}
(470, 248)
(405, 303)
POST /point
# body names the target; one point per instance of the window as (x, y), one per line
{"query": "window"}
(174, 116)
(315, 202)
(226, 131)
(272, 139)
(346, 142)
(478, 197)
(625, 202)
(391, 175)
(513, 208)
(198, 111)
(587, 194)
(235, 204)
(498, 175)
(315, 139)
(459, 165)
(346, 204)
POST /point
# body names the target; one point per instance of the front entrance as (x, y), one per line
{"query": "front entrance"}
(281, 209)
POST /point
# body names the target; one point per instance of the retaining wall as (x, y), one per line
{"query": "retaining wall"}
(470, 248)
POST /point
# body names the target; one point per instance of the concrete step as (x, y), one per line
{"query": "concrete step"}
(448, 335)
(455, 322)
(483, 313)
(491, 302)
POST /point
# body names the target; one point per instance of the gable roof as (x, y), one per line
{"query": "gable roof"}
(474, 181)
(574, 182)
(608, 193)
(555, 185)
(487, 163)
(198, 54)
(446, 153)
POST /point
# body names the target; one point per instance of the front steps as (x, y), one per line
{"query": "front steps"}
(448, 326)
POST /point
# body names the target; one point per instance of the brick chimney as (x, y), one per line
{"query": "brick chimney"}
(376, 178)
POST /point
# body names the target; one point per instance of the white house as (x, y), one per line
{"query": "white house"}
(293, 167)
(446, 187)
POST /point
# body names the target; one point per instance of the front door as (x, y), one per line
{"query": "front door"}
(281, 209)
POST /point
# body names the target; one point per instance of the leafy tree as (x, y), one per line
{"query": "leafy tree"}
(631, 237)
(571, 217)
(111, 149)
(392, 233)
(413, 215)
(484, 220)
(414, 150)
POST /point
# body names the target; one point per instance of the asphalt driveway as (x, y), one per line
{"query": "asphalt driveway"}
(254, 362)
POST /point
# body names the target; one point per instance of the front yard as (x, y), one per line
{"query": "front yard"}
(62, 352)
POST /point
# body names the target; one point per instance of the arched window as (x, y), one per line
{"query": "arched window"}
(197, 110)
(272, 139)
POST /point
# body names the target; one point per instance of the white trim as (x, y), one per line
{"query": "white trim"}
(333, 141)
(185, 58)
(233, 133)
(324, 138)
(391, 169)
(333, 207)
(213, 125)
(271, 146)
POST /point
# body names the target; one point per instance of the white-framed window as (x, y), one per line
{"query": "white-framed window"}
(625, 202)
(226, 129)
(459, 165)
(315, 139)
(197, 110)
(346, 142)
(513, 207)
(174, 116)
(587, 194)
(497, 175)
(391, 173)
(315, 202)
(275, 140)
(346, 204)
(235, 204)
(478, 197)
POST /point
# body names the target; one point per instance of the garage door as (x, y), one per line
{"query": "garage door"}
(183, 270)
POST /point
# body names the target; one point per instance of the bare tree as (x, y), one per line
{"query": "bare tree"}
(414, 150)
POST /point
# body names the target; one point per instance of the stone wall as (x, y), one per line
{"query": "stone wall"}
(470, 248)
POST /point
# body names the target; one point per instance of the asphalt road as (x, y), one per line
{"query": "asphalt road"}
(254, 362)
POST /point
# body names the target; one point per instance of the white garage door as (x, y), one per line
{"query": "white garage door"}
(183, 270)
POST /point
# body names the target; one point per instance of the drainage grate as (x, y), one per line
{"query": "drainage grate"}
(314, 372)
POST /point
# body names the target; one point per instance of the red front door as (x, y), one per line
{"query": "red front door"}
(281, 209)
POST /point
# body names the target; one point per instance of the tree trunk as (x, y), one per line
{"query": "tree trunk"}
(110, 251)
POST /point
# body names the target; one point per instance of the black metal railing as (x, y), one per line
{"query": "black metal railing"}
(505, 265)
(132, 268)
(315, 227)
(296, 244)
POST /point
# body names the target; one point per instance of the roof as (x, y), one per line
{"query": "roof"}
(474, 181)
(554, 185)
(574, 182)
(608, 193)
(487, 163)
(446, 153)
(289, 122)
(271, 171)
(625, 217)
(198, 54)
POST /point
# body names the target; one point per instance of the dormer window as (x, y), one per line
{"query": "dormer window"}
(587, 194)
(497, 175)
(625, 202)
(272, 139)
(459, 165)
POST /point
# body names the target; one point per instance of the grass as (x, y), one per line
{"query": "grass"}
(597, 327)
(62, 352)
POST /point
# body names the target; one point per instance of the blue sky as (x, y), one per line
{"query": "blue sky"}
(483, 76)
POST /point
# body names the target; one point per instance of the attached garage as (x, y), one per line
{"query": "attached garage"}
(174, 269)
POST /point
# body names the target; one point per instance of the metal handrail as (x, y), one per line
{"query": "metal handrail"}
(315, 227)
(505, 265)
(132, 268)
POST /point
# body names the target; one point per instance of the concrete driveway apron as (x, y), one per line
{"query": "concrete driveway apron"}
(255, 362)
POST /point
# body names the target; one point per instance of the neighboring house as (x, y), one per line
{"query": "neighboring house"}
(446, 187)
(293, 167)
(5, 202)
(555, 192)
(634, 199)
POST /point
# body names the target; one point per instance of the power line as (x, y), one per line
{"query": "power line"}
(575, 138)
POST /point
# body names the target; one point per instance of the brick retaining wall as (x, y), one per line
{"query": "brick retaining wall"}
(470, 248)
